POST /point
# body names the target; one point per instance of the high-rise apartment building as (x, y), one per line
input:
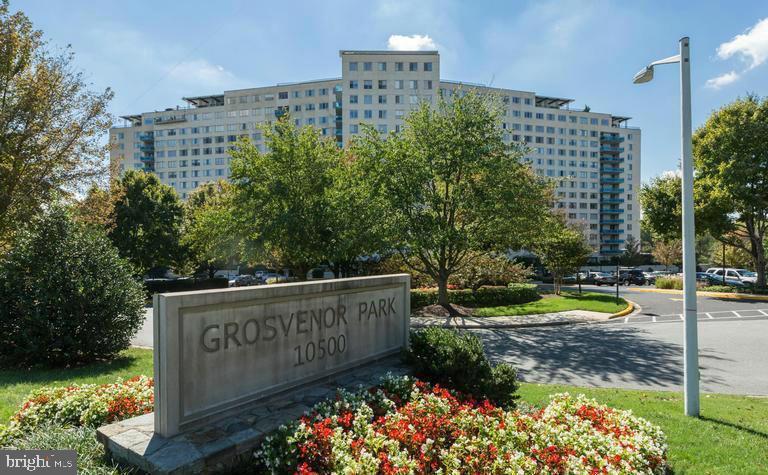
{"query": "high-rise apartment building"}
(595, 157)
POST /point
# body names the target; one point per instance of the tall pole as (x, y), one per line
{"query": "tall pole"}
(690, 348)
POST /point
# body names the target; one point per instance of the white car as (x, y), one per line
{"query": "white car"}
(742, 275)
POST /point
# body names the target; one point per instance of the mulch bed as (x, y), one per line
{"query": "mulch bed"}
(441, 312)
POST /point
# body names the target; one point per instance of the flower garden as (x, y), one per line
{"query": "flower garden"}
(409, 426)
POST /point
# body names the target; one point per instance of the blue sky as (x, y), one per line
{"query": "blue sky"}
(152, 53)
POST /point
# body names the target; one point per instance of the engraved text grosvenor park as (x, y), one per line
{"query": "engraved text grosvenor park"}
(234, 335)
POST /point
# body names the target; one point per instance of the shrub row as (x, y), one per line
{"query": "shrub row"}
(183, 285)
(483, 297)
(457, 360)
(674, 283)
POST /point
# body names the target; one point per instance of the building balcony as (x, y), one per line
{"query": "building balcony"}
(611, 241)
(147, 158)
(147, 148)
(612, 190)
(611, 170)
(610, 149)
(610, 159)
(612, 211)
(611, 180)
(147, 137)
(611, 232)
(611, 252)
(170, 120)
(612, 221)
(615, 138)
(611, 201)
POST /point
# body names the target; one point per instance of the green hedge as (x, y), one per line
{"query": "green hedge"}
(184, 285)
(457, 360)
(674, 283)
(484, 297)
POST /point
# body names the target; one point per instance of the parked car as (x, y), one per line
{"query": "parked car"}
(605, 278)
(631, 276)
(244, 280)
(650, 277)
(742, 275)
(320, 273)
(714, 279)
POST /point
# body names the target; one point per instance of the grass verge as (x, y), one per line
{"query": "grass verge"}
(16, 384)
(591, 301)
(730, 437)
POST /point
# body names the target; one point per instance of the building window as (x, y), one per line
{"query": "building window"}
(382, 99)
(353, 66)
(428, 67)
(354, 128)
(353, 84)
(368, 114)
(367, 84)
(413, 67)
(398, 66)
(367, 66)
(367, 99)
(382, 66)
(382, 83)
(398, 83)
(353, 99)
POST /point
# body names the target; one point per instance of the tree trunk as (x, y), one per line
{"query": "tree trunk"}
(758, 256)
(442, 290)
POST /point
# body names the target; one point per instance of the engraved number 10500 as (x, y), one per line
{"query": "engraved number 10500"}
(324, 347)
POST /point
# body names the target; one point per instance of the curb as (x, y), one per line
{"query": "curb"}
(727, 295)
(506, 326)
(632, 309)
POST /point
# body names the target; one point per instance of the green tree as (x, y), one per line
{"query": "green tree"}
(50, 123)
(562, 249)
(148, 218)
(66, 297)
(731, 153)
(208, 230)
(453, 189)
(662, 208)
(298, 204)
(631, 256)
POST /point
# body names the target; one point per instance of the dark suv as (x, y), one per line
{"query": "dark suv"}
(632, 276)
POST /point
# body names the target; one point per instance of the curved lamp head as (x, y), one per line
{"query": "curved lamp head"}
(643, 76)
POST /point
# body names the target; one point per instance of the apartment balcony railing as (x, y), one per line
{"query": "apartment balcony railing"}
(616, 138)
(612, 232)
(612, 221)
(611, 201)
(612, 211)
(611, 241)
(611, 180)
(608, 148)
(611, 251)
(612, 190)
(611, 170)
(610, 159)
(147, 137)
(147, 148)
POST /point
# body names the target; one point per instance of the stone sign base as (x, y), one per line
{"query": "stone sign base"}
(221, 445)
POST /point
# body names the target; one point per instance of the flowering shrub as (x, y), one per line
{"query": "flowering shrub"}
(407, 426)
(85, 405)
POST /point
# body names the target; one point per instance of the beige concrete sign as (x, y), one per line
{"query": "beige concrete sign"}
(219, 351)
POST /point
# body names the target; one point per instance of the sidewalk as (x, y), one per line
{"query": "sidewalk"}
(522, 321)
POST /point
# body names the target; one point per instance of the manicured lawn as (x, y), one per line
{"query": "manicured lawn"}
(595, 302)
(731, 436)
(16, 384)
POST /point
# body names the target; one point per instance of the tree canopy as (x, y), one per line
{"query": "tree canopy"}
(452, 188)
(50, 123)
(562, 249)
(147, 221)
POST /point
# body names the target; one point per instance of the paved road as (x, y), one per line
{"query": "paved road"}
(645, 351)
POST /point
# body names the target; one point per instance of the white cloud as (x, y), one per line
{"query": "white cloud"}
(752, 46)
(410, 43)
(202, 73)
(722, 80)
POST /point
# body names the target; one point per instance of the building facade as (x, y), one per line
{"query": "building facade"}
(594, 157)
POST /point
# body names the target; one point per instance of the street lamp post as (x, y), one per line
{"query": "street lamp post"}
(691, 344)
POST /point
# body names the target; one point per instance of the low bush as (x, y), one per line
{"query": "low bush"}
(717, 288)
(674, 283)
(160, 286)
(457, 360)
(66, 297)
(88, 405)
(429, 429)
(483, 297)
